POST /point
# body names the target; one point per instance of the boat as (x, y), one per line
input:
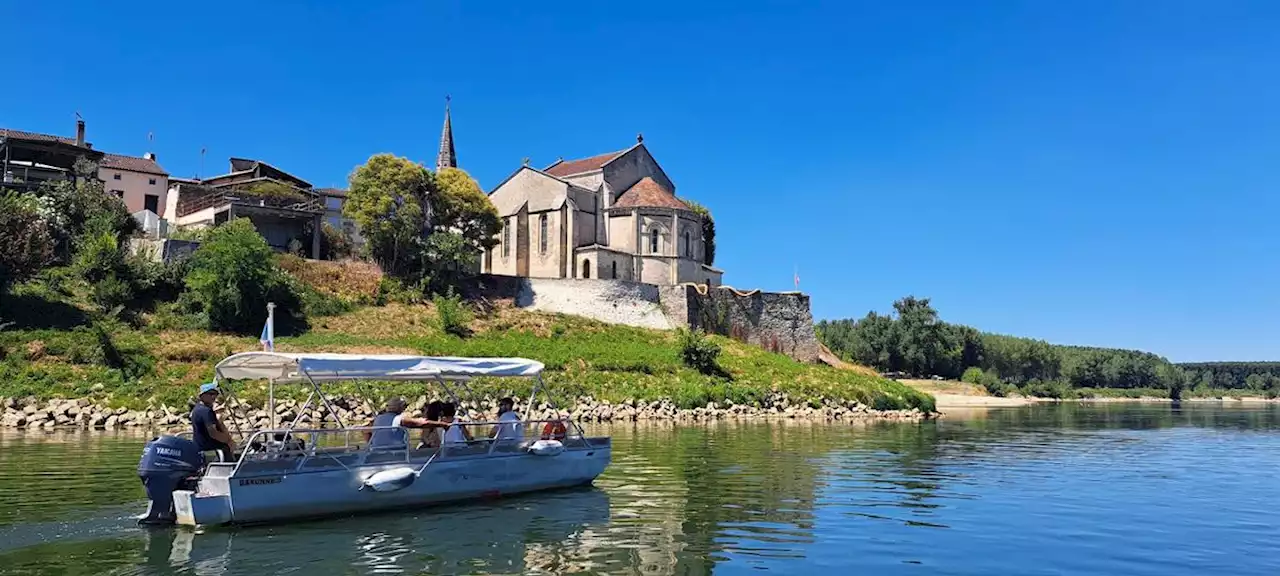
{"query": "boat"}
(289, 472)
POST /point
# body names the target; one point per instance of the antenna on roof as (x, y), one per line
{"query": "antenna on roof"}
(202, 151)
(639, 138)
(78, 116)
(526, 160)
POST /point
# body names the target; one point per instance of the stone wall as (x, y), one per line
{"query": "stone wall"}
(778, 322)
(612, 301)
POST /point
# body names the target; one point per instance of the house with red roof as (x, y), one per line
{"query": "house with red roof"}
(610, 216)
(30, 158)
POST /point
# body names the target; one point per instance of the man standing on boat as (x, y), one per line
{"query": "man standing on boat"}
(206, 430)
(393, 415)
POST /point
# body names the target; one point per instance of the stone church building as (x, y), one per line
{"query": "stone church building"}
(612, 216)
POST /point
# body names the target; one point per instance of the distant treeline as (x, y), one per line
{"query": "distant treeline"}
(1233, 375)
(912, 340)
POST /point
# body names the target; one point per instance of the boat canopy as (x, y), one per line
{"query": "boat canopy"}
(285, 368)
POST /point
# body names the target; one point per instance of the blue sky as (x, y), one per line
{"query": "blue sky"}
(1089, 172)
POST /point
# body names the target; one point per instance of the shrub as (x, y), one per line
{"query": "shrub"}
(453, 315)
(972, 375)
(27, 245)
(233, 277)
(699, 352)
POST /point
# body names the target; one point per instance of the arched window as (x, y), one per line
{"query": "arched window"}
(586, 268)
(653, 240)
(615, 270)
(506, 239)
(542, 234)
(688, 248)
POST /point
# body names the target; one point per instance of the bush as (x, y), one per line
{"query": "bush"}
(972, 375)
(699, 352)
(27, 245)
(233, 277)
(453, 315)
(1048, 389)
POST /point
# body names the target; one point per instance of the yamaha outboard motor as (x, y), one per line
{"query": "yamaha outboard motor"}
(168, 463)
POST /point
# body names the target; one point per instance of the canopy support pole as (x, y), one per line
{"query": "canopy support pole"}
(320, 393)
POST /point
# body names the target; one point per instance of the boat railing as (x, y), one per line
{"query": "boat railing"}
(333, 443)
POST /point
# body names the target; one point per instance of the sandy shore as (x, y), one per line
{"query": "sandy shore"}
(945, 401)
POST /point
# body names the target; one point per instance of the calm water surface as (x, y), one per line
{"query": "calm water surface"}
(1112, 489)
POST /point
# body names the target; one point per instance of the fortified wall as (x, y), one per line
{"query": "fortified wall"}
(778, 322)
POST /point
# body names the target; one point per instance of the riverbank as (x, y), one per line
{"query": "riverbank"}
(956, 394)
(31, 414)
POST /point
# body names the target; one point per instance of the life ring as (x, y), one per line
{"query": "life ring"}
(554, 431)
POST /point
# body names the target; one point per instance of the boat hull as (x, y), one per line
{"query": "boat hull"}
(272, 497)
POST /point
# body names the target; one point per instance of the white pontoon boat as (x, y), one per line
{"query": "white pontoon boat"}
(327, 471)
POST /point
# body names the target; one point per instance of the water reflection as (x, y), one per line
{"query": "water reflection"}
(1055, 489)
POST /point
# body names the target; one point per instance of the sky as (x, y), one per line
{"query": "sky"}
(1089, 172)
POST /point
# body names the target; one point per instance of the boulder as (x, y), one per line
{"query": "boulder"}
(111, 422)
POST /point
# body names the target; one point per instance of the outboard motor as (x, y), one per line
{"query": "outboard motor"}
(168, 464)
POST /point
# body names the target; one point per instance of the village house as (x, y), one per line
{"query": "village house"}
(30, 158)
(611, 216)
(293, 210)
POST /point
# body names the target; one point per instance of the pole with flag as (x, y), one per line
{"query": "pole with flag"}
(796, 277)
(268, 338)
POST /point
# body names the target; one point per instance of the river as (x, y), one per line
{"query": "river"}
(1132, 489)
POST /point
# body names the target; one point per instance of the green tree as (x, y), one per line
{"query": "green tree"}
(708, 231)
(27, 245)
(458, 205)
(389, 197)
(71, 208)
(233, 276)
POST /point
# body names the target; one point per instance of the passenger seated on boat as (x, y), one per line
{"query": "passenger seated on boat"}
(507, 413)
(456, 433)
(433, 436)
(206, 430)
(393, 415)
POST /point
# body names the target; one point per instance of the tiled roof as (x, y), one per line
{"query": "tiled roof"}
(333, 192)
(132, 164)
(21, 135)
(571, 167)
(647, 193)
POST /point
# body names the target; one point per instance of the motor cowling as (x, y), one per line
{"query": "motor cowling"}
(166, 465)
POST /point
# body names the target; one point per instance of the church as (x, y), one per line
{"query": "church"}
(611, 216)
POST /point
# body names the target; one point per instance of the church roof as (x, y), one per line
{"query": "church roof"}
(446, 158)
(571, 167)
(647, 193)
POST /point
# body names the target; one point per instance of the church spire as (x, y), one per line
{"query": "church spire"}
(446, 158)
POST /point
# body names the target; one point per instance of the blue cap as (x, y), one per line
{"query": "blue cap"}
(209, 387)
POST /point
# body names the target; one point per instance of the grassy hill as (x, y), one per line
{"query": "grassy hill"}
(52, 350)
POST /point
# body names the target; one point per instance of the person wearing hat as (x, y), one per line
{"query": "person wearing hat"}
(393, 415)
(206, 430)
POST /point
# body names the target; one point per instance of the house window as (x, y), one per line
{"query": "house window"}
(115, 176)
(614, 266)
(151, 202)
(688, 248)
(586, 268)
(506, 241)
(119, 194)
(542, 234)
(151, 181)
(653, 241)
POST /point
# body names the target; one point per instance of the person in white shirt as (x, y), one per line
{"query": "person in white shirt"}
(507, 413)
(456, 433)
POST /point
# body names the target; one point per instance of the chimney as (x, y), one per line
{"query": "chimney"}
(79, 132)
(150, 156)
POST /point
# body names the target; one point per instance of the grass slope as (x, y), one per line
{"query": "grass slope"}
(583, 357)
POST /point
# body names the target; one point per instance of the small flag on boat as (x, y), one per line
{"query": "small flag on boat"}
(268, 338)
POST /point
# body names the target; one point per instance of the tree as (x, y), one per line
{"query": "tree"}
(459, 205)
(233, 276)
(27, 245)
(708, 231)
(389, 197)
(71, 208)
